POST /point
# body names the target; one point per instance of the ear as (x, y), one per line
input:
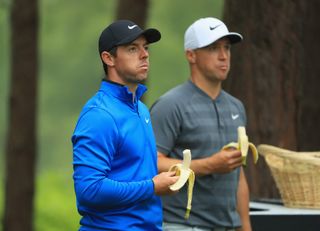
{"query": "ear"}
(107, 58)
(191, 56)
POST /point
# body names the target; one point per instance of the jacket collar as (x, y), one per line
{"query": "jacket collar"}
(121, 91)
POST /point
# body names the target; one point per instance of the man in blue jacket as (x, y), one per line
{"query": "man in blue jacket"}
(114, 151)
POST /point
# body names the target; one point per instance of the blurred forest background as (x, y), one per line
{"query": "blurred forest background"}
(70, 72)
(275, 72)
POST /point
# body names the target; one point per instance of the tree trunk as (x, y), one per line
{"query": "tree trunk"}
(274, 72)
(309, 106)
(136, 11)
(21, 142)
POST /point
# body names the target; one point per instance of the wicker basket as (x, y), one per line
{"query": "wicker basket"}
(297, 175)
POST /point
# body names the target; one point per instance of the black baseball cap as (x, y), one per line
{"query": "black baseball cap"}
(124, 32)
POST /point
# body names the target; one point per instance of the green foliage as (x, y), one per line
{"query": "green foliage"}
(55, 202)
(4, 73)
(70, 72)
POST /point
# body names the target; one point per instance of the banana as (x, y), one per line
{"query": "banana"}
(243, 145)
(183, 170)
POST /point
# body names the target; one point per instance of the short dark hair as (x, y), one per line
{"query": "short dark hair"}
(112, 52)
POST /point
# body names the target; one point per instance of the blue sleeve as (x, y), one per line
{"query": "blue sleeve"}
(95, 141)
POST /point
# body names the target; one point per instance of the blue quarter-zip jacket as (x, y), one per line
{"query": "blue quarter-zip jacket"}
(114, 161)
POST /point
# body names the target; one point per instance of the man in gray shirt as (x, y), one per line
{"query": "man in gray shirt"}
(199, 115)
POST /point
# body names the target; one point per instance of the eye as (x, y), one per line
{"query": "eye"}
(227, 47)
(213, 48)
(132, 49)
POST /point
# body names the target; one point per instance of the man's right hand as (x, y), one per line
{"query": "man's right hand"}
(226, 161)
(162, 182)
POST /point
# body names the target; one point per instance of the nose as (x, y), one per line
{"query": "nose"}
(144, 53)
(223, 53)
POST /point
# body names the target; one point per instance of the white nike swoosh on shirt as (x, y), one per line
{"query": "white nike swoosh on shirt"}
(131, 27)
(147, 120)
(234, 116)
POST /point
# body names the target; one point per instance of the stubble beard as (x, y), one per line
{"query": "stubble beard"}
(135, 79)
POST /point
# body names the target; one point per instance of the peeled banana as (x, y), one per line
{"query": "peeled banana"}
(185, 173)
(243, 145)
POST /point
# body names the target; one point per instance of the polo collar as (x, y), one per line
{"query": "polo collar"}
(205, 95)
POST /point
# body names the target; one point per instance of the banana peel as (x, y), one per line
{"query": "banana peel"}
(243, 145)
(185, 174)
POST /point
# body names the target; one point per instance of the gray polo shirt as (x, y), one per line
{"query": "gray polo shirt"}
(187, 118)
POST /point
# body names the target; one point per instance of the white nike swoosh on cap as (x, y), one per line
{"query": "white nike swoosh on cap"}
(234, 116)
(131, 27)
